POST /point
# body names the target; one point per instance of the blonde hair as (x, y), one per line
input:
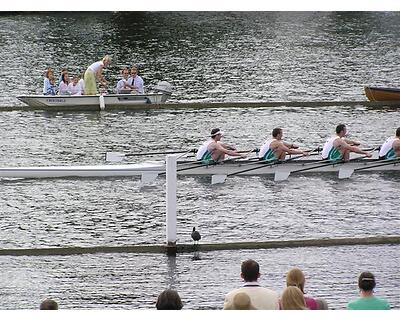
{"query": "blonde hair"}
(295, 277)
(293, 299)
(241, 301)
(107, 58)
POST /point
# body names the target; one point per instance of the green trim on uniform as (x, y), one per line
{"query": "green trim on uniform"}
(390, 155)
(269, 156)
(206, 158)
(334, 154)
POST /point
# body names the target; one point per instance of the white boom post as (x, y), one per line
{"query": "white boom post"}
(171, 199)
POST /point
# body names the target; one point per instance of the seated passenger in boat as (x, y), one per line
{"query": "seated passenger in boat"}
(63, 70)
(390, 149)
(136, 81)
(214, 150)
(123, 86)
(276, 149)
(81, 82)
(74, 87)
(63, 87)
(338, 148)
(49, 84)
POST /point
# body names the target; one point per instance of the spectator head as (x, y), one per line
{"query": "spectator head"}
(295, 277)
(169, 300)
(366, 281)
(293, 299)
(398, 132)
(48, 304)
(241, 301)
(250, 270)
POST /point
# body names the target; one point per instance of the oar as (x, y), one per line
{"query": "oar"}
(345, 173)
(283, 175)
(220, 178)
(118, 156)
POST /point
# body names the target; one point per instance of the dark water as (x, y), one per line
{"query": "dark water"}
(208, 57)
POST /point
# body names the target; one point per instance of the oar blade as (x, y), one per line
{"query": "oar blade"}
(345, 173)
(218, 178)
(281, 175)
(147, 178)
(114, 156)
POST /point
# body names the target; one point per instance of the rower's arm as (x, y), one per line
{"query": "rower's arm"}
(291, 145)
(352, 142)
(284, 148)
(220, 147)
(346, 146)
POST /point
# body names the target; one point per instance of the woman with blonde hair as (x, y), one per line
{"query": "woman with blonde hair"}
(293, 299)
(295, 277)
(93, 72)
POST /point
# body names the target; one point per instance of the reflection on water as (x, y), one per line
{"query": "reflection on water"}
(219, 56)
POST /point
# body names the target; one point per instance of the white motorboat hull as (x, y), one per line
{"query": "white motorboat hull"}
(93, 101)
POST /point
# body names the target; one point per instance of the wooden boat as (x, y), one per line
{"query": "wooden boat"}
(382, 94)
(191, 168)
(100, 102)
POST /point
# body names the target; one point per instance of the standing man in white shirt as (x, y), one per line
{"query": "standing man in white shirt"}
(261, 298)
(136, 81)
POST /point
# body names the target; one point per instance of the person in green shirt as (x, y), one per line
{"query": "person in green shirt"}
(367, 300)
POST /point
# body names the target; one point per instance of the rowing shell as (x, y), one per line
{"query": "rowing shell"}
(184, 168)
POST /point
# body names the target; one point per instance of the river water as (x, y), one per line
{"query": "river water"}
(271, 56)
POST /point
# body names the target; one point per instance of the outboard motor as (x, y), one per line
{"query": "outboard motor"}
(164, 87)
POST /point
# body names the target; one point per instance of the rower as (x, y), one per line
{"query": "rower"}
(214, 150)
(390, 149)
(338, 148)
(276, 149)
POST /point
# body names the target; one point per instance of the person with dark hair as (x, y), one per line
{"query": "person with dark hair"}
(338, 148)
(214, 150)
(63, 86)
(276, 149)
(169, 300)
(48, 304)
(367, 300)
(295, 277)
(260, 298)
(390, 149)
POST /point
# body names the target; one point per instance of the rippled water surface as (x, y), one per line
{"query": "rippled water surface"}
(208, 57)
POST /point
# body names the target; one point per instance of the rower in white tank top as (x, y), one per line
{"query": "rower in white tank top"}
(329, 151)
(387, 150)
(203, 153)
(266, 153)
